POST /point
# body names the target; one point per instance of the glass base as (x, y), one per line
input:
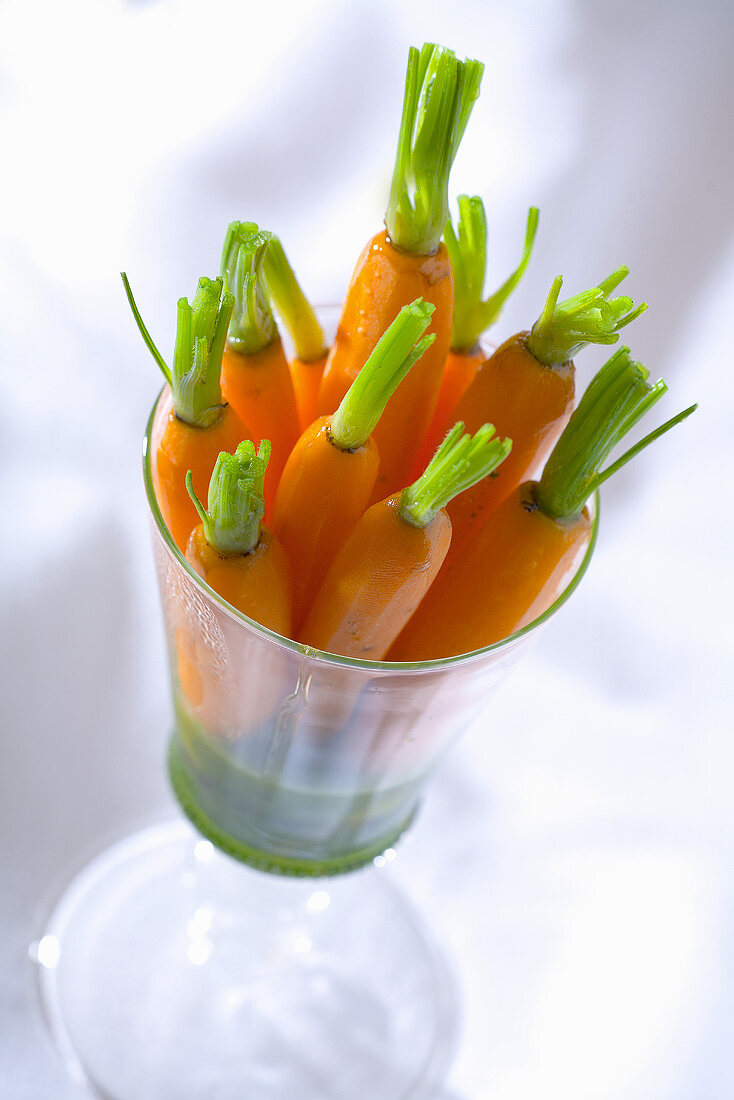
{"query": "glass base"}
(168, 970)
(352, 858)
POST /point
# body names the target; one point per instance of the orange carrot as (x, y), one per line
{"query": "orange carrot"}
(530, 547)
(527, 388)
(244, 564)
(306, 375)
(255, 375)
(231, 550)
(297, 314)
(191, 424)
(392, 556)
(408, 261)
(331, 472)
(467, 249)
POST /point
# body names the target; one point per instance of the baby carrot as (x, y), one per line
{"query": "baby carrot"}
(255, 375)
(296, 312)
(473, 315)
(392, 556)
(331, 472)
(529, 548)
(192, 425)
(408, 261)
(231, 550)
(243, 562)
(527, 388)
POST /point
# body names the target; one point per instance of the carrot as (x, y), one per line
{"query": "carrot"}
(408, 261)
(331, 472)
(243, 563)
(191, 424)
(392, 556)
(255, 375)
(231, 550)
(527, 388)
(530, 547)
(467, 249)
(297, 314)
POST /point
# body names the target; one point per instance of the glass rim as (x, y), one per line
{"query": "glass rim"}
(302, 650)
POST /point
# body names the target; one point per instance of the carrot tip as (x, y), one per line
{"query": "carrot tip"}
(236, 506)
(616, 398)
(201, 331)
(467, 249)
(590, 317)
(394, 355)
(460, 462)
(292, 304)
(440, 92)
(253, 326)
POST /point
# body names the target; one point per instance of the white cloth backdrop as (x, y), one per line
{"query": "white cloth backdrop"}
(576, 856)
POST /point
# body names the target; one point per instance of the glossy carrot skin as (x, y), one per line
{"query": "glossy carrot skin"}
(322, 494)
(376, 582)
(458, 374)
(306, 377)
(515, 568)
(258, 584)
(177, 447)
(384, 281)
(259, 388)
(526, 401)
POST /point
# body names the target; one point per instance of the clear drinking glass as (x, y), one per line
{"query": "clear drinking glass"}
(295, 762)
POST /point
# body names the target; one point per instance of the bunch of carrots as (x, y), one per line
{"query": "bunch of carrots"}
(396, 495)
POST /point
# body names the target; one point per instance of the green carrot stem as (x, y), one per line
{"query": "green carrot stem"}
(440, 92)
(467, 250)
(648, 439)
(460, 462)
(232, 520)
(292, 304)
(613, 403)
(395, 353)
(590, 317)
(253, 326)
(166, 370)
(201, 331)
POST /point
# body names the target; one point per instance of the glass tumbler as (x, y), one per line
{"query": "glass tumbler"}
(168, 970)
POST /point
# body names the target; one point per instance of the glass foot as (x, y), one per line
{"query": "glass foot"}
(168, 971)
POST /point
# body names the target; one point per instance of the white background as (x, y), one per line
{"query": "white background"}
(575, 855)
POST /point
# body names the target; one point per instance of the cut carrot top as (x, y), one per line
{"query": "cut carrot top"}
(253, 326)
(467, 248)
(292, 304)
(201, 333)
(232, 520)
(362, 406)
(591, 317)
(460, 462)
(439, 95)
(613, 403)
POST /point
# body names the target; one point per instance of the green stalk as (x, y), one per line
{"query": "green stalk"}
(440, 92)
(590, 317)
(467, 249)
(253, 325)
(613, 403)
(395, 353)
(292, 304)
(201, 332)
(236, 505)
(645, 442)
(460, 462)
(148, 339)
